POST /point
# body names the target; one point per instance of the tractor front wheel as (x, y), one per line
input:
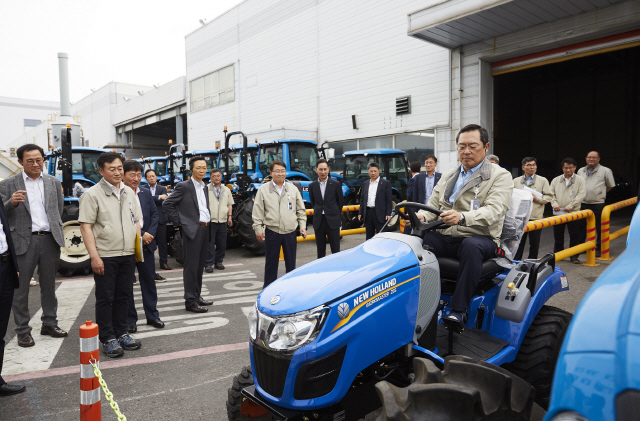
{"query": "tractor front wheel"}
(239, 407)
(74, 256)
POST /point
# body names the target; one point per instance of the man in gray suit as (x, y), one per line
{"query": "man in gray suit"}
(188, 208)
(33, 202)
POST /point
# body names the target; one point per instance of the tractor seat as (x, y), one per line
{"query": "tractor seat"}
(449, 274)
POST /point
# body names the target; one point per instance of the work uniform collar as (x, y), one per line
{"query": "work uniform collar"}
(109, 188)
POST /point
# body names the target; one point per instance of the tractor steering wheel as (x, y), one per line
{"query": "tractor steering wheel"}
(417, 224)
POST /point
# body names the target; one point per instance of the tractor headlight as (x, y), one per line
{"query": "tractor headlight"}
(568, 416)
(290, 332)
(253, 322)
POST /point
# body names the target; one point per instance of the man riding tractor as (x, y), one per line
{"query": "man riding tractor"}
(474, 199)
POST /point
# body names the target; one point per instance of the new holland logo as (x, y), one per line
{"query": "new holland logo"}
(343, 310)
(275, 300)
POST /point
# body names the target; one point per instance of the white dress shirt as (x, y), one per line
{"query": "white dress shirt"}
(152, 189)
(567, 181)
(140, 206)
(373, 190)
(323, 188)
(4, 246)
(35, 193)
(115, 191)
(205, 215)
(278, 189)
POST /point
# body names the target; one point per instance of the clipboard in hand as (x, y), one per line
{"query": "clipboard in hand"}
(139, 247)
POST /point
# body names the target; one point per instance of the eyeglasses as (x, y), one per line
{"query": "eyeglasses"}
(36, 162)
(472, 147)
(279, 171)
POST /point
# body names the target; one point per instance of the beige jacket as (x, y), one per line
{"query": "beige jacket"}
(570, 195)
(114, 221)
(281, 214)
(596, 184)
(495, 187)
(219, 209)
(541, 185)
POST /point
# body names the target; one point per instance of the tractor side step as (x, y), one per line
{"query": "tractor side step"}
(473, 343)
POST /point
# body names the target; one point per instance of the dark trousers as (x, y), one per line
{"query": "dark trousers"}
(161, 241)
(371, 223)
(146, 272)
(322, 233)
(112, 296)
(6, 298)
(534, 245)
(217, 244)
(471, 252)
(272, 243)
(195, 253)
(574, 236)
(597, 210)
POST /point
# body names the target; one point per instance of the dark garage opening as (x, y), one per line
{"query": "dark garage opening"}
(569, 108)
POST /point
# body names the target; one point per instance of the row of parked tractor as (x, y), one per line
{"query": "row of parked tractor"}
(244, 166)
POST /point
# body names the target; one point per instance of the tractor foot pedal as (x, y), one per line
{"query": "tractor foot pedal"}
(453, 324)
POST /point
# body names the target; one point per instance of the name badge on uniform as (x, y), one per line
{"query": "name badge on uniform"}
(475, 204)
(573, 193)
(133, 217)
(290, 205)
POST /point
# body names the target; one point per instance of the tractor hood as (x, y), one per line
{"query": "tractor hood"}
(325, 280)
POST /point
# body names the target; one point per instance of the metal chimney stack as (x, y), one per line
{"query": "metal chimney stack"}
(63, 66)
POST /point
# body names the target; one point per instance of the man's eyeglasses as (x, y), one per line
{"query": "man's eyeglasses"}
(36, 162)
(279, 171)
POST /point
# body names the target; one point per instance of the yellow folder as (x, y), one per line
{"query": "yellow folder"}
(139, 246)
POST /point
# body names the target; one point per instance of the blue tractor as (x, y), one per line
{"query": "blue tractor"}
(344, 335)
(212, 158)
(77, 168)
(393, 167)
(598, 372)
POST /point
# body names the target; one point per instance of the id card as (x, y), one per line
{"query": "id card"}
(475, 204)
(290, 206)
(573, 193)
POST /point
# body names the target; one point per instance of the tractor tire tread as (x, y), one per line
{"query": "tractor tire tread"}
(235, 398)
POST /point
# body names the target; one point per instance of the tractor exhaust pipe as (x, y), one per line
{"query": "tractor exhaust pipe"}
(63, 66)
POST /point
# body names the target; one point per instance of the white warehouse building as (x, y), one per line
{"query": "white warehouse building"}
(549, 78)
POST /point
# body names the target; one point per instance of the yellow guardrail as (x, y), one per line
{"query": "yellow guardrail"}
(312, 237)
(605, 236)
(589, 247)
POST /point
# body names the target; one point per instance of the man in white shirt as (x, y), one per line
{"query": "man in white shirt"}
(33, 202)
(325, 195)
(375, 201)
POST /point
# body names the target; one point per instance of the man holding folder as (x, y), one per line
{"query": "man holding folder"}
(539, 188)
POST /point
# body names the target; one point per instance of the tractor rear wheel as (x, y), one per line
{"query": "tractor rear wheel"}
(239, 407)
(245, 228)
(465, 390)
(74, 256)
(538, 354)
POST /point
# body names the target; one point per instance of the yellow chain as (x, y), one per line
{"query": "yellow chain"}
(107, 393)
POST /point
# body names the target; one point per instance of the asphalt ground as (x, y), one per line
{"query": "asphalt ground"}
(182, 372)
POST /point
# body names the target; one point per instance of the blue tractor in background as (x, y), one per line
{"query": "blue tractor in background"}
(344, 335)
(598, 372)
(393, 167)
(77, 168)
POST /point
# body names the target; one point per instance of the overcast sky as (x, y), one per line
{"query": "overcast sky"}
(135, 41)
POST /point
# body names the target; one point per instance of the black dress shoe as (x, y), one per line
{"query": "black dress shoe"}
(195, 308)
(201, 301)
(132, 328)
(219, 266)
(208, 269)
(165, 267)
(158, 277)
(11, 389)
(157, 323)
(53, 331)
(25, 340)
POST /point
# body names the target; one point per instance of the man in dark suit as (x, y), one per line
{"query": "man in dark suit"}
(146, 269)
(9, 280)
(414, 169)
(375, 201)
(325, 195)
(159, 194)
(33, 202)
(426, 181)
(188, 208)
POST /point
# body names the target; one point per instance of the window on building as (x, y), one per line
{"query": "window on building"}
(377, 143)
(212, 89)
(416, 145)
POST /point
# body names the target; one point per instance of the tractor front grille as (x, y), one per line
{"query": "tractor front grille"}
(270, 371)
(319, 377)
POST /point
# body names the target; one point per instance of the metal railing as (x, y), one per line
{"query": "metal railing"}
(312, 237)
(605, 236)
(589, 247)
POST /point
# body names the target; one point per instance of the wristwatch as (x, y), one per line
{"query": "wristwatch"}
(461, 221)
